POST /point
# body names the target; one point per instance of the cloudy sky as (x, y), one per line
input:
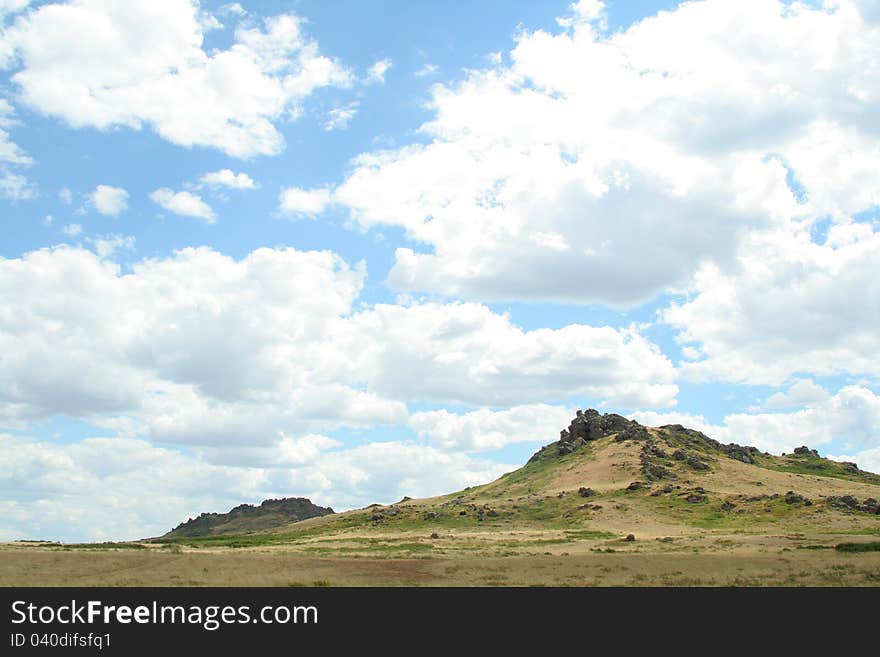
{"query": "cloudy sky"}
(359, 250)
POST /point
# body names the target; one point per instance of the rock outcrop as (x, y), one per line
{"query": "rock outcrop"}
(591, 425)
(247, 517)
(851, 503)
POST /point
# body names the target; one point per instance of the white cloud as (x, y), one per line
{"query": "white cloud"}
(104, 64)
(484, 430)
(184, 203)
(202, 349)
(108, 245)
(376, 72)
(8, 7)
(790, 307)
(427, 69)
(150, 340)
(227, 178)
(65, 195)
(304, 202)
(645, 159)
(13, 185)
(585, 11)
(801, 392)
(110, 200)
(465, 353)
(232, 9)
(338, 118)
(72, 230)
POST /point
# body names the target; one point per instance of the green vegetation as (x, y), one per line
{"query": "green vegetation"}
(858, 547)
(710, 515)
(816, 466)
(371, 546)
(536, 474)
(100, 546)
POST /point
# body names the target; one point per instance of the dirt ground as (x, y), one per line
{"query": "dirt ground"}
(719, 561)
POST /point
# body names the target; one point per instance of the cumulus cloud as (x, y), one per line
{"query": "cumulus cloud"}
(304, 202)
(227, 178)
(200, 349)
(465, 353)
(104, 64)
(110, 200)
(72, 230)
(801, 392)
(791, 306)
(662, 145)
(485, 430)
(186, 204)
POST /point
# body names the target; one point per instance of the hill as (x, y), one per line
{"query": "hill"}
(248, 518)
(609, 477)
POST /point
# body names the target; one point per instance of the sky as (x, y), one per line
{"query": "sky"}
(353, 251)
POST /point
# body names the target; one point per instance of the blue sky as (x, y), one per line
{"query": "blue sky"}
(357, 250)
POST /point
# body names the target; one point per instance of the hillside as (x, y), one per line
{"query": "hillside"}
(610, 477)
(246, 518)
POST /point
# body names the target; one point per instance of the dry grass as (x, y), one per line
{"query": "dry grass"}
(778, 562)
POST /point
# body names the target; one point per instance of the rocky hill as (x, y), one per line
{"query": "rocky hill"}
(608, 476)
(246, 518)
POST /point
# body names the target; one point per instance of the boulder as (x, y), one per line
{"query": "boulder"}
(793, 498)
(843, 502)
(870, 505)
(586, 492)
(652, 472)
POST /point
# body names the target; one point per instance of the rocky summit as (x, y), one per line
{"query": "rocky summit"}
(248, 518)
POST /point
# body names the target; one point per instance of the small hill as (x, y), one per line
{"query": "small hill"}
(247, 518)
(605, 478)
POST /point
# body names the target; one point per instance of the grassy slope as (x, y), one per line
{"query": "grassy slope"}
(538, 505)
